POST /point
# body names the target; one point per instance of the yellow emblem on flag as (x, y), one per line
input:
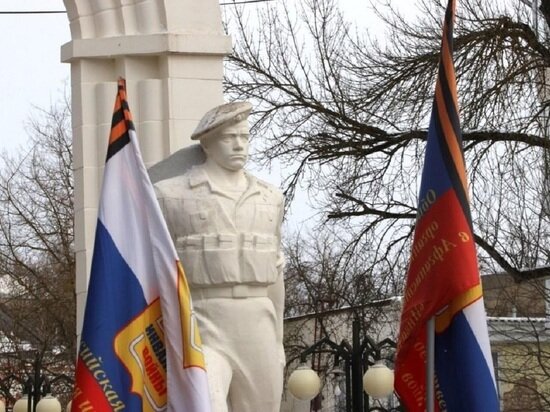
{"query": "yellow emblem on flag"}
(192, 345)
(140, 347)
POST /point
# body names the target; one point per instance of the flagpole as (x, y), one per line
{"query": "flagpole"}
(430, 364)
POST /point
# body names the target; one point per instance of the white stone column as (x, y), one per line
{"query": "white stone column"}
(171, 54)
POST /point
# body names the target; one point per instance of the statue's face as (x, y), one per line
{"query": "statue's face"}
(229, 148)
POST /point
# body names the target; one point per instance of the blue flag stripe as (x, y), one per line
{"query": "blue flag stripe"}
(114, 299)
(462, 371)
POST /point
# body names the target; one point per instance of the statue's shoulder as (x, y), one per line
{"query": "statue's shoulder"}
(174, 186)
(268, 190)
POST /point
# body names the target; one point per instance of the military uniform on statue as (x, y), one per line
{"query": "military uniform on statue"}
(226, 224)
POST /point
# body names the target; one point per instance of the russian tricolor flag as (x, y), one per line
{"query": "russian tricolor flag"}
(140, 348)
(443, 277)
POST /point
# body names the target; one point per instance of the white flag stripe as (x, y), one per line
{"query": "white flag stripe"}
(187, 388)
(134, 220)
(475, 315)
(191, 396)
(128, 214)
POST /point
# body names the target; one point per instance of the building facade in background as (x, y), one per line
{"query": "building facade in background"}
(519, 330)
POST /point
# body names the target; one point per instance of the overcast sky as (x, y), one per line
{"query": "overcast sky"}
(31, 71)
(33, 76)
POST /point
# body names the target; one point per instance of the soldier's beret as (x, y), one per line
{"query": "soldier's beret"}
(223, 115)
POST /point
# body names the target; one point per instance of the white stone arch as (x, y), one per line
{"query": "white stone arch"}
(171, 54)
(91, 19)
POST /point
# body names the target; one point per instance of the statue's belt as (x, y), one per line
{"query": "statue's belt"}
(236, 291)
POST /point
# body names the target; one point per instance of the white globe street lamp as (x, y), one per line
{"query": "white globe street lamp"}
(378, 381)
(37, 395)
(48, 403)
(304, 383)
(22, 404)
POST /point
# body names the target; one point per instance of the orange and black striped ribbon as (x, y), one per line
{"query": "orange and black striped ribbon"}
(122, 122)
(445, 113)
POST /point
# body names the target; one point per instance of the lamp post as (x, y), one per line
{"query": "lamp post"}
(37, 395)
(359, 357)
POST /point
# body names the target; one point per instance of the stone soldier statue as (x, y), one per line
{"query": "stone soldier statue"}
(226, 227)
